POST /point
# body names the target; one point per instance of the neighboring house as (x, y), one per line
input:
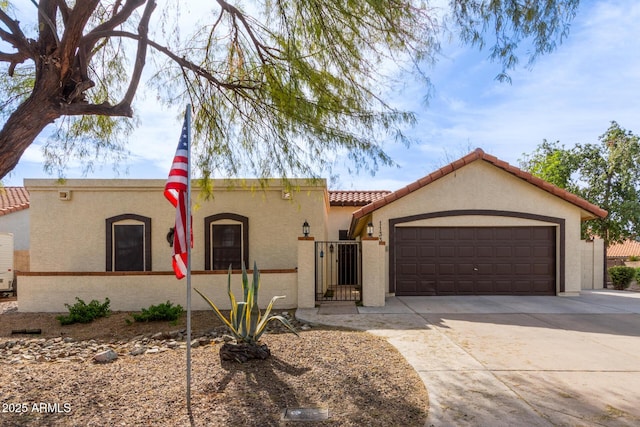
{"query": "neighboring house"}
(624, 250)
(14, 219)
(475, 226)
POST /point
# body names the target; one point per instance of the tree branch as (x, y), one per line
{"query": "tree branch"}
(16, 37)
(143, 32)
(104, 109)
(182, 62)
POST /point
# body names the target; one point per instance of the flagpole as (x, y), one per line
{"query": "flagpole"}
(188, 238)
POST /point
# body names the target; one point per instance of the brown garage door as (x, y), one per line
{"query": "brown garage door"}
(475, 260)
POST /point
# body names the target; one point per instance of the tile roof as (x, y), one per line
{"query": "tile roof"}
(355, 198)
(624, 249)
(13, 199)
(479, 154)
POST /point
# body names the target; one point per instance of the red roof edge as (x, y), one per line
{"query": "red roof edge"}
(479, 154)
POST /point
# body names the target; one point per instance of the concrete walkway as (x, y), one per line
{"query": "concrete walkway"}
(515, 361)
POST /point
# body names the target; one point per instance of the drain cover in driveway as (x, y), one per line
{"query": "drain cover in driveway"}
(305, 414)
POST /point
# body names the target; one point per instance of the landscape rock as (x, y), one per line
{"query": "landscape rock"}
(105, 356)
(69, 350)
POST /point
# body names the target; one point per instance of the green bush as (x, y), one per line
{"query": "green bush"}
(634, 258)
(160, 312)
(80, 312)
(621, 276)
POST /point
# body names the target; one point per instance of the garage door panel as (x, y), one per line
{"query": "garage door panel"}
(476, 260)
(427, 251)
(408, 252)
(447, 251)
(465, 287)
(447, 269)
(466, 252)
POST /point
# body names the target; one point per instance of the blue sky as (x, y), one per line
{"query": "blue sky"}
(571, 95)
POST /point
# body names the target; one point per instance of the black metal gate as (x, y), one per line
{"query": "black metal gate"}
(338, 271)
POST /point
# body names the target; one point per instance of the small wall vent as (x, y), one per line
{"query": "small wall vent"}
(64, 195)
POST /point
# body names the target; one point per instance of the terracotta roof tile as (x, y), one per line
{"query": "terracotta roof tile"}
(355, 198)
(13, 199)
(624, 249)
(475, 155)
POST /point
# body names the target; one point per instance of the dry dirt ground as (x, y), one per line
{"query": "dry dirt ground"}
(361, 379)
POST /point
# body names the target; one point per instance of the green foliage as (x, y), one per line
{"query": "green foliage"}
(279, 88)
(634, 258)
(551, 162)
(621, 276)
(82, 312)
(606, 174)
(160, 312)
(245, 322)
(544, 23)
(637, 276)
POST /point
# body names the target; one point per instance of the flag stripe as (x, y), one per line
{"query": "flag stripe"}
(175, 191)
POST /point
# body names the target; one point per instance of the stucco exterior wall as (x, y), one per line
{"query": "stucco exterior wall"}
(18, 224)
(70, 235)
(134, 292)
(482, 186)
(339, 219)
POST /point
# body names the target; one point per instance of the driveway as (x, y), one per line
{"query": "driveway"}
(515, 361)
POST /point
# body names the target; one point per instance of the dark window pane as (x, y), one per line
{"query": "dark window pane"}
(227, 246)
(128, 241)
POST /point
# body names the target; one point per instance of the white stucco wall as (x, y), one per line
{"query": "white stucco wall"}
(70, 235)
(339, 219)
(134, 292)
(483, 186)
(18, 224)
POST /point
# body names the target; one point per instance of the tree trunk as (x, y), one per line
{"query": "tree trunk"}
(21, 129)
(242, 352)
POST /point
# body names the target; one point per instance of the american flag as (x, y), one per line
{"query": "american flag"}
(176, 192)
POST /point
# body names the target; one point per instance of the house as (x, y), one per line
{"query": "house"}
(475, 226)
(14, 219)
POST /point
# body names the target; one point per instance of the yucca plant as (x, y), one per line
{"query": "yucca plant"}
(245, 322)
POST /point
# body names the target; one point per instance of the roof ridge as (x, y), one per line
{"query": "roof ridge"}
(479, 154)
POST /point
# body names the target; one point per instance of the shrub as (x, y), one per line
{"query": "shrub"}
(81, 312)
(621, 276)
(160, 312)
(245, 322)
(634, 258)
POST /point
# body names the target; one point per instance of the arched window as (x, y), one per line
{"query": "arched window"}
(128, 243)
(226, 241)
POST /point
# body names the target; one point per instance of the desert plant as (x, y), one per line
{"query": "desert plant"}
(81, 312)
(160, 312)
(621, 276)
(245, 322)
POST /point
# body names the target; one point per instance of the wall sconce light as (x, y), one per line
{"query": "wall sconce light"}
(331, 248)
(305, 228)
(370, 229)
(170, 234)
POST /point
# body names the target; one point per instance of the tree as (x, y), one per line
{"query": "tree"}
(276, 88)
(553, 163)
(606, 174)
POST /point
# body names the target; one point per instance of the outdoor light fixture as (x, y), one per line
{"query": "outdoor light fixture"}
(331, 248)
(170, 234)
(305, 228)
(370, 229)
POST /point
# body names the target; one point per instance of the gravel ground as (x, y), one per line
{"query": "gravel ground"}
(361, 379)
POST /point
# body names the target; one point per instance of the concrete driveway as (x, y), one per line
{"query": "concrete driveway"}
(515, 361)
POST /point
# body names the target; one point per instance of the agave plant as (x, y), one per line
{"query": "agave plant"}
(245, 322)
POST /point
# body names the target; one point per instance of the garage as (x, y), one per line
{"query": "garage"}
(475, 260)
(479, 226)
